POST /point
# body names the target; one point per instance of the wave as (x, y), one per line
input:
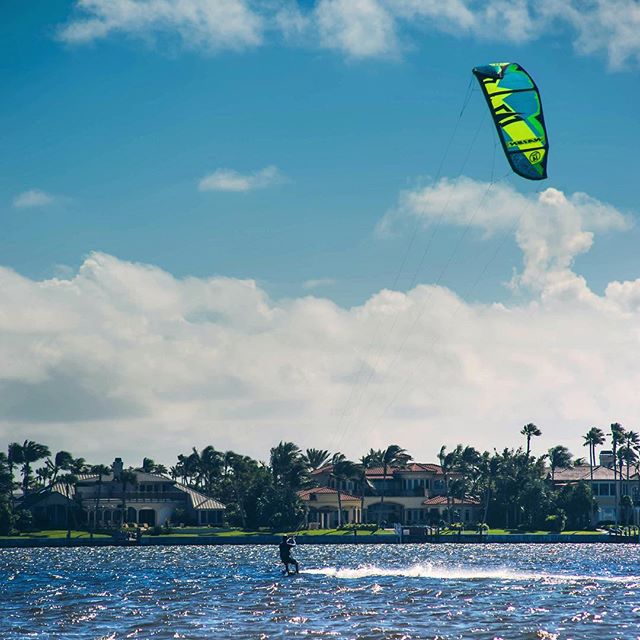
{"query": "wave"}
(428, 570)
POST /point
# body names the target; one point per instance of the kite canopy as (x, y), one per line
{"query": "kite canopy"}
(515, 105)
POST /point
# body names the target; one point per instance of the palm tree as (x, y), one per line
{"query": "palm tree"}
(530, 430)
(78, 466)
(237, 468)
(393, 456)
(617, 437)
(341, 470)
(376, 456)
(14, 456)
(488, 466)
(69, 482)
(366, 462)
(150, 466)
(628, 453)
(593, 438)
(448, 462)
(43, 476)
(316, 458)
(212, 462)
(288, 466)
(559, 458)
(100, 470)
(62, 461)
(31, 452)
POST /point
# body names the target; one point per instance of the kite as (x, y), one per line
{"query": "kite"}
(515, 105)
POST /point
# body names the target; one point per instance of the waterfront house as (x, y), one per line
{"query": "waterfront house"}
(414, 494)
(123, 497)
(604, 489)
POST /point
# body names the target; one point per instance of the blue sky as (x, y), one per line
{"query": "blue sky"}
(113, 120)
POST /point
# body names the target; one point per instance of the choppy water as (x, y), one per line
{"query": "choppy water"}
(386, 591)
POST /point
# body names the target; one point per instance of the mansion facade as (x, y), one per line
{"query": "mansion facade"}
(413, 495)
(111, 500)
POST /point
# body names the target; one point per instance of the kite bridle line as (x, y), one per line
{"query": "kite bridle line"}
(380, 351)
(357, 386)
(423, 307)
(396, 317)
(406, 384)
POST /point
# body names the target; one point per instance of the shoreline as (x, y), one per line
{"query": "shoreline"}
(153, 541)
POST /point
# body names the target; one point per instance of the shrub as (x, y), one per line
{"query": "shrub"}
(360, 526)
(24, 521)
(555, 523)
(6, 519)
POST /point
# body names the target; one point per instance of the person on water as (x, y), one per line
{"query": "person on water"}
(285, 553)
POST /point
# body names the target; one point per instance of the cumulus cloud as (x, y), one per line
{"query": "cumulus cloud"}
(360, 28)
(124, 358)
(610, 26)
(363, 28)
(202, 24)
(32, 198)
(551, 228)
(230, 180)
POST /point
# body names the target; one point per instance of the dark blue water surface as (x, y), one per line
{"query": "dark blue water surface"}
(384, 591)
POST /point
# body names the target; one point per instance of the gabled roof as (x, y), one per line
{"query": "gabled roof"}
(199, 501)
(306, 494)
(33, 497)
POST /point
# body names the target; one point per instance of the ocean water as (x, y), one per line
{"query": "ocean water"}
(383, 591)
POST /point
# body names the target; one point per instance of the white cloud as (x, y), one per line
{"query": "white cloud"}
(230, 180)
(32, 198)
(360, 28)
(363, 28)
(551, 228)
(202, 24)
(125, 359)
(611, 26)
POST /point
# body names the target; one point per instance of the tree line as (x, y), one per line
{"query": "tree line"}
(513, 487)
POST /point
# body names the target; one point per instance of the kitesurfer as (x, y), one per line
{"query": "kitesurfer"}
(285, 554)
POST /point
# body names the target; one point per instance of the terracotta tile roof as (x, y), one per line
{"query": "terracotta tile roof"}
(373, 472)
(442, 500)
(305, 494)
(327, 468)
(412, 467)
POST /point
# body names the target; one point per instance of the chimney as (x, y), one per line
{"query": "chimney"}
(117, 468)
(606, 459)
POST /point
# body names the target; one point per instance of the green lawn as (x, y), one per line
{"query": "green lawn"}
(54, 534)
(540, 533)
(205, 531)
(341, 532)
